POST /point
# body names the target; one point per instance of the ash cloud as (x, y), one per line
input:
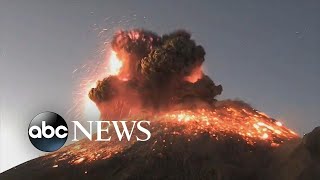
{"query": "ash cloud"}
(158, 72)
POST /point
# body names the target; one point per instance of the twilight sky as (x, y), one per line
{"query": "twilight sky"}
(265, 53)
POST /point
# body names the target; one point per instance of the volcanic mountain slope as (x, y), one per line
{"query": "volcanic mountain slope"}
(188, 146)
(298, 161)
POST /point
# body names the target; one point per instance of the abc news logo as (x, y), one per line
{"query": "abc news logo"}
(48, 131)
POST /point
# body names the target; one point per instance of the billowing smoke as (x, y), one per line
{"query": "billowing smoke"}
(158, 72)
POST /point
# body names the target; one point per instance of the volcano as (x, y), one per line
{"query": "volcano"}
(193, 135)
(185, 148)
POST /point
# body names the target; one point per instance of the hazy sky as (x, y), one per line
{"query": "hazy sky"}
(266, 53)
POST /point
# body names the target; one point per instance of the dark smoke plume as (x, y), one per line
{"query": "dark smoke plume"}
(158, 72)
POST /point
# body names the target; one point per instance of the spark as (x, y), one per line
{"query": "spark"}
(78, 161)
(278, 123)
(265, 136)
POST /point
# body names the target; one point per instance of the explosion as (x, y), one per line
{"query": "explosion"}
(162, 76)
(159, 73)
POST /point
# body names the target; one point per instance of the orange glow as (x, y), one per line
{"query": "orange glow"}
(91, 111)
(195, 75)
(243, 124)
(279, 123)
(114, 64)
(250, 124)
(113, 67)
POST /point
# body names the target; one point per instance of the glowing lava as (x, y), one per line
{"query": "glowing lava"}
(250, 124)
(243, 124)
